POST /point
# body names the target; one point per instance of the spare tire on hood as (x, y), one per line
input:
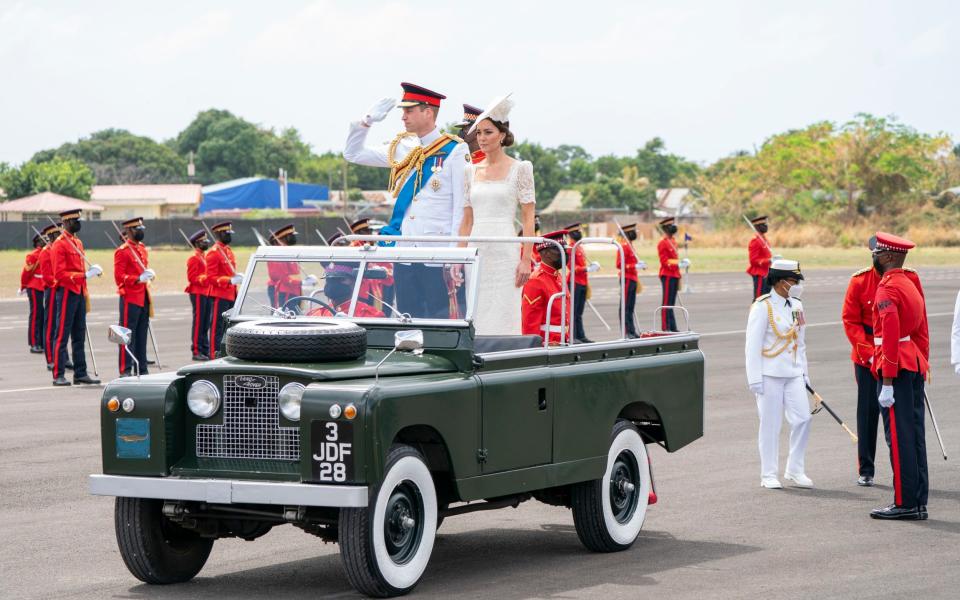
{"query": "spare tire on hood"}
(294, 340)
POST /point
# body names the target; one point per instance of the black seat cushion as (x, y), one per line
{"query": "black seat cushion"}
(500, 343)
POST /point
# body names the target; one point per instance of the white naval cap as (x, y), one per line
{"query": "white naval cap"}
(784, 268)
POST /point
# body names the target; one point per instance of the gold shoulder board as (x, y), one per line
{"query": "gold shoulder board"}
(861, 271)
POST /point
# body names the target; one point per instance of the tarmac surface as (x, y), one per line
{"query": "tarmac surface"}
(713, 534)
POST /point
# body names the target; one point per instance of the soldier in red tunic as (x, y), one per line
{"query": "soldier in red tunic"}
(199, 291)
(132, 274)
(50, 232)
(71, 274)
(669, 273)
(544, 283)
(223, 278)
(857, 318)
(630, 276)
(285, 275)
(373, 291)
(760, 256)
(579, 268)
(31, 284)
(901, 342)
(339, 280)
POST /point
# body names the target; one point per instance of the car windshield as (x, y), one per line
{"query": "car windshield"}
(360, 282)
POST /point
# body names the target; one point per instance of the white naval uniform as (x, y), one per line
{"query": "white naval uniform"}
(434, 210)
(782, 376)
(955, 336)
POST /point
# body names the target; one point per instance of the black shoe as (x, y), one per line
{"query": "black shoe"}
(36, 350)
(68, 366)
(584, 340)
(865, 481)
(894, 512)
(126, 374)
(200, 357)
(85, 379)
(151, 362)
(61, 381)
(924, 515)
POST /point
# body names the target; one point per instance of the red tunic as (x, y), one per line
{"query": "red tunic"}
(285, 277)
(197, 274)
(220, 269)
(126, 271)
(857, 313)
(760, 255)
(900, 327)
(579, 266)
(669, 257)
(31, 278)
(46, 268)
(362, 310)
(544, 282)
(630, 260)
(69, 270)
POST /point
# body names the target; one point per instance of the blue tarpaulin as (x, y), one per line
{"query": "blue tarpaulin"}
(258, 192)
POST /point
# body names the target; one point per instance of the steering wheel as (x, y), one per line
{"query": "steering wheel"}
(293, 304)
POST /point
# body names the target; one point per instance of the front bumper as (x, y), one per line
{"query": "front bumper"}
(230, 491)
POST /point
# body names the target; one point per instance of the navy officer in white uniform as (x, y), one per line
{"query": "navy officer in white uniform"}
(427, 181)
(776, 360)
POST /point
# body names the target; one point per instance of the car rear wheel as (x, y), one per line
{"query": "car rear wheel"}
(609, 512)
(155, 549)
(386, 546)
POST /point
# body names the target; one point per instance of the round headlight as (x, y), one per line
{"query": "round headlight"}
(203, 399)
(289, 400)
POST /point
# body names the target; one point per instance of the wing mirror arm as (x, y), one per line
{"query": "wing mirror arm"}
(410, 340)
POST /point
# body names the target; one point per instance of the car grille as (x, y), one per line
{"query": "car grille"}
(251, 425)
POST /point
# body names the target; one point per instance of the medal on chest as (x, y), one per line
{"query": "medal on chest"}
(435, 169)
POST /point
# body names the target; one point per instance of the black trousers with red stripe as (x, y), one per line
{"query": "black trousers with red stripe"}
(200, 325)
(35, 323)
(49, 343)
(630, 303)
(137, 320)
(71, 327)
(217, 323)
(579, 304)
(668, 285)
(868, 415)
(760, 286)
(907, 439)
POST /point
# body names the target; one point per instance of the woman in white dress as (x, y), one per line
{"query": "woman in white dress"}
(496, 188)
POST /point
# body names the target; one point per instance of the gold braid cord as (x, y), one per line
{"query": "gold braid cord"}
(399, 170)
(784, 341)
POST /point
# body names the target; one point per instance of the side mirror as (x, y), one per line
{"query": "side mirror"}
(408, 341)
(119, 335)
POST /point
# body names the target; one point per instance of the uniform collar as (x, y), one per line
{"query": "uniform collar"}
(430, 137)
(780, 300)
(548, 269)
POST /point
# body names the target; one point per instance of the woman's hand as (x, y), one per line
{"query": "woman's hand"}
(523, 272)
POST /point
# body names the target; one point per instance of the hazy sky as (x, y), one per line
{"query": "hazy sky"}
(708, 77)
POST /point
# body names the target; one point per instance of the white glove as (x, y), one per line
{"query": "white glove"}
(684, 263)
(886, 396)
(806, 380)
(594, 266)
(310, 280)
(641, 264)
(236, 279)
(147, 275)
(757, 388)
(776, 257)
(956, 368)
(378, 111)
(22, 291)
(94, 271)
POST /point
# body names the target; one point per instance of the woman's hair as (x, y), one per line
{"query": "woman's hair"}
(503, 127)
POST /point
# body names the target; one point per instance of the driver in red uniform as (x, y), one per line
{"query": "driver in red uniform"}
(338, 288)
(545, 282)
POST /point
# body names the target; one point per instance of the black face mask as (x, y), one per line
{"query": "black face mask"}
(202, 246)
(631, 235)
(670, 229)
(762, 228)
(337, 290)
(138, 235)
(876, 264)
(73, 226)
(226, 238)
(290, 240)
(576, 236)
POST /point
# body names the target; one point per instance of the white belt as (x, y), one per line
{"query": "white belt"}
(878, 341)
(38, 276)
(552, 328)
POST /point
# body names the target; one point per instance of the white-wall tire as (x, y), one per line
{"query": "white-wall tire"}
(383, 556)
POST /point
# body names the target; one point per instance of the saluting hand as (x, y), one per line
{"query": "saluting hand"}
(378, 111)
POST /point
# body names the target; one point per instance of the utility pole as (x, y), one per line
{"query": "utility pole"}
(191, 168)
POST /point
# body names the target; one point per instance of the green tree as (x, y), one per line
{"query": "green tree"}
(548, 175)
(116, 156)
(65, 176)
(661, 168)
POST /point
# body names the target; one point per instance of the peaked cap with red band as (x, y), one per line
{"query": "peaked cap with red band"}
(887, 242)
(414, 95)
(470, 114)
(556, 236)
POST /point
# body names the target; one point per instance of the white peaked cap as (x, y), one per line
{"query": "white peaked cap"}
(499, 110)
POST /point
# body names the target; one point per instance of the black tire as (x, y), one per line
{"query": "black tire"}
(155, 549)
(279, 340)
(607, 513)
(382, 558)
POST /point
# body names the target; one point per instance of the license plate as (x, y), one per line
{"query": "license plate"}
(332, 451)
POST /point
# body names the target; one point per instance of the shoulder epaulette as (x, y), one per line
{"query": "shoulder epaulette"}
(909, 269)
(452, 137)
(761, 298)
(861, 271)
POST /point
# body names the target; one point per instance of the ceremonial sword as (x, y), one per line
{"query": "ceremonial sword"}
(222, 253)
(322, 239)
(754, 229)
(933, 420)
(820, 402)
(622, 233)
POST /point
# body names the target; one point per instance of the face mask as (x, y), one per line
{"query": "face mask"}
(226, 238)
(876, 264)
(631, 235)
(670, 229)
(337, 290)
(762, 228)
(290, 240)
(74, 226)
(576, 236)
(203, 246)
(138, 235)
(795, 291)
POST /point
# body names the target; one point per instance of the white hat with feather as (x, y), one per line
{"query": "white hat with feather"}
(498, 110)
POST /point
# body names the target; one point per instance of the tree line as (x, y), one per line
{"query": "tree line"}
(868, 167)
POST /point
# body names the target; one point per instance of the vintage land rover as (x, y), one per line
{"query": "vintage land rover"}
(338, 414)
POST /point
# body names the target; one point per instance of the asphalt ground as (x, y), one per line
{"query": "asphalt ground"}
(714, 533)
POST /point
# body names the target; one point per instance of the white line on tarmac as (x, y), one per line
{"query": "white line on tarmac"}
(50, 388)
(827, 324)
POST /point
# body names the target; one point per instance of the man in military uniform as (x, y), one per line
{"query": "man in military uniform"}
(31, 284)
(198, 289)
(50, 233)
(857, 318)
(545, 281)
(901, 342)
(427, 180)
(760, 256)
(669, 273)
(286, 275)
(579, 268)
(132, 276)
(338, 283)
(373, 291)
(223, 278)
(71, 274)
(470, 114)
(630, 275)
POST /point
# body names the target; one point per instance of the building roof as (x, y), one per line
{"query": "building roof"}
(47, 202)
(148, 194)
(565, 201)
(676, 202)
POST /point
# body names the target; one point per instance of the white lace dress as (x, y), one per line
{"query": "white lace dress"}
(495, 209)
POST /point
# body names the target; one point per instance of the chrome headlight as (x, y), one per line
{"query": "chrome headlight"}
(203, 399)
(289, 400)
